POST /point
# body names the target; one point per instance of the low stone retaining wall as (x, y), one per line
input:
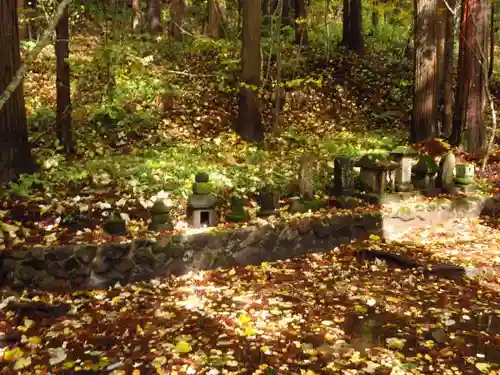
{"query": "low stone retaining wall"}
(98, 266)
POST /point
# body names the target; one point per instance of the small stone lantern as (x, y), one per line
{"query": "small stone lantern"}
(201, 204)
(425, 172)
(406, 157)
(377, 175)
(464, 177)
(268, 200)
(344, 176)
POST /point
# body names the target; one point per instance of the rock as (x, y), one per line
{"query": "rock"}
(348, 203)
(201, 177)
(86, 253)
(55, 254)
(159, 207)
(72, 264)
(145, 257)
(115, 251)
(202, 188)
(57, 270)
(161, 222)
(124, 265)
(320, 228)
(37, 253)
(298, 207)
(9, 264)
(26, 274)
(115, 226)
(34, 263)
(176, 267)
(439, 335)
(303, 225)
(18, 254)
(102, 267)
(446, 171)
(202, 201)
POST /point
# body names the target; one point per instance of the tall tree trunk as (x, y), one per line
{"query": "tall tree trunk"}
(448, 70)
(346, 22)
(301, 36)
(375, 17)
(136, 15)
(63, 113)
(469, 118)
(492, 40)
(216, 19)
(249, 125)
(424, 114)
(15, 154)
(440, 24)
(352, 26)
(177, 10)
(154, 15)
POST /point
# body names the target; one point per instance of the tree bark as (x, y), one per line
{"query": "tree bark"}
(216, 19)
(15, 154)
(469, 119)
(249, 123)
(301, 35)
(440, 23)
(448, 70)
(375, 18)
(136, 15)
(63, 112)
(424, 114)
(492, 40)
(352, 26)
(177, 10)
(154, 16)
(286, 14)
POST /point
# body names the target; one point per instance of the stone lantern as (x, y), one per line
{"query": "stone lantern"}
(201, 204)
(377, 174)
(406, 157)
(425, 172)
(344, 176)
(464, 177)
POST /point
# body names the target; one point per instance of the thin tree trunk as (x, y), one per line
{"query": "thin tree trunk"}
(375, 18)
(356, 27)
(15, 154)
(216, 19)
(492, 40)
(301, 36)
(154, 15)
(136, 15)
(448, 70)
(424, 114)
(177, 10)
(469, 118)
(440, 23)
(63, 113)
(286, 15)
(249, 123)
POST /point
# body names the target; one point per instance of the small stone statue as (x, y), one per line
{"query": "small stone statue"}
(238, 213)
(160, 216)
(201, 204)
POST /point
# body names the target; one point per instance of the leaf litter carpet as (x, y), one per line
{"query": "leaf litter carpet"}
(318, 314)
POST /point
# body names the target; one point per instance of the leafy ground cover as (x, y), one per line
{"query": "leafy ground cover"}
(319, 314)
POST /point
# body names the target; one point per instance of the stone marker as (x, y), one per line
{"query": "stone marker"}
(377, 174)
(306, 177)
(160, 216)
(268, 200)
(344, 176)
(446, 172)
(201, 204)
(238, 213)
(406, 157)
(464, 177)
(425, 174)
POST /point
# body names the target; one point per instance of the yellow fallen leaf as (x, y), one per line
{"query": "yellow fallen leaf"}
(136, 372)
(244, 318)
(22, 363)
(13, 355)
(183, 347)
(159, 361)
(139, 330)
(35, 340)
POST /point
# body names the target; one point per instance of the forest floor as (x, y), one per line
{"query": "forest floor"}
(313, 315)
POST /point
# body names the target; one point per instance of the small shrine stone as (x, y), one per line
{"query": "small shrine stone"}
(238, 212)
(344, 176)
(202, 201)
(160, 207)
(406, 157)
(446, 172)
(115, 226)
(160, 216)
(202, 188)
(377, 174)
(269, 202)
(306, 176)
(425, 173)
(201, 177)
(464, 174)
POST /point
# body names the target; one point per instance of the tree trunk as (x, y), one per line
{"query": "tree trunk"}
(492, 40)
(424, 114)
(177, 9)
(136, 15)
(266, 12)
(301, 36)
(63, 113)
(375, 18)
(249, 125)
(448, 70)
(346, 22)
(440, 43)
(216, 19)
(469, 117)
(286, 14)
(15, 154)
(154, 15)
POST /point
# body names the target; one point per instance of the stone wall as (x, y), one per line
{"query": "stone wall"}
(98, 266)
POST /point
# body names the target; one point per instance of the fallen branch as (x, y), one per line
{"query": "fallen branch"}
(44, 41)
